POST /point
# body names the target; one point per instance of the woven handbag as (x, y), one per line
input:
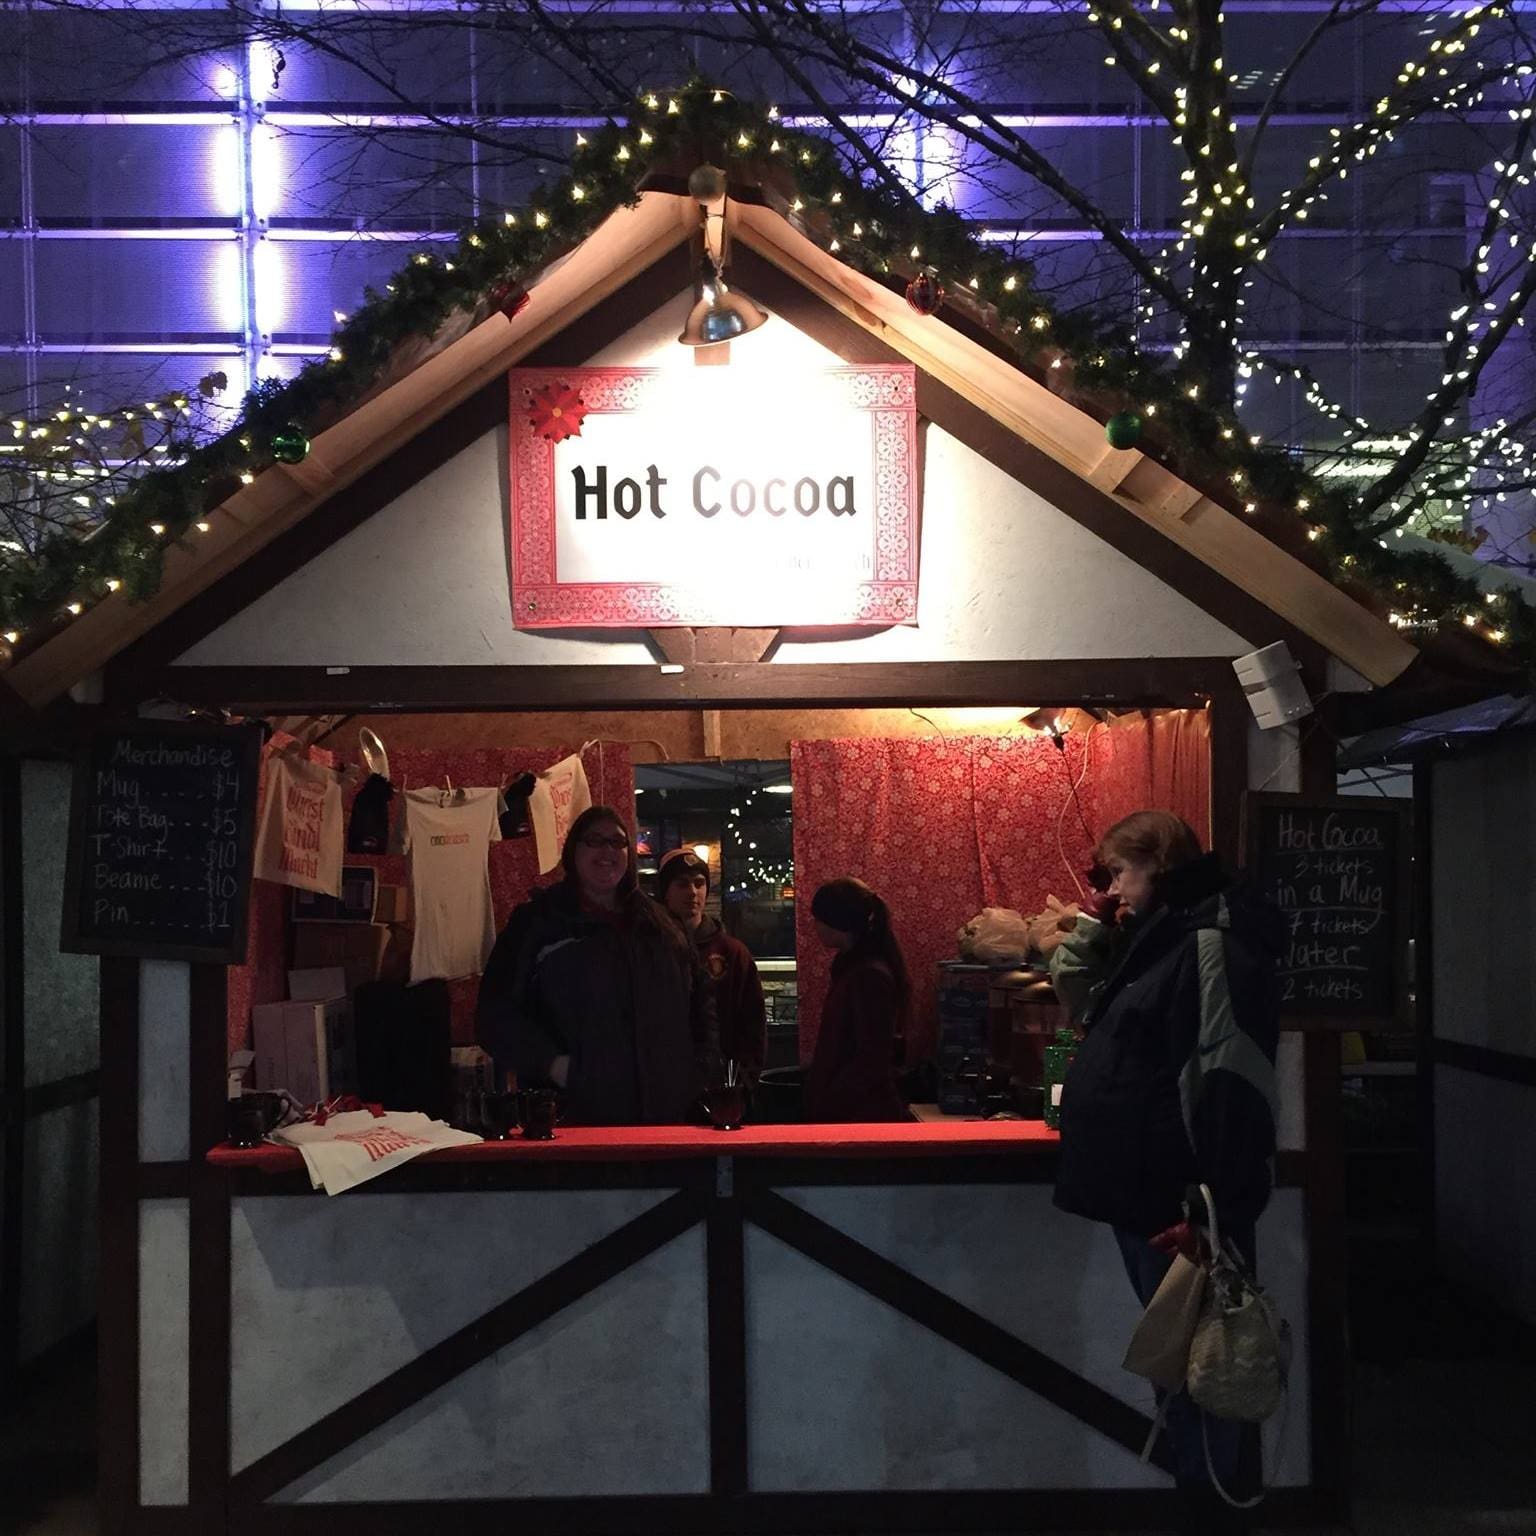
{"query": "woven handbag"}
(1240, 1355)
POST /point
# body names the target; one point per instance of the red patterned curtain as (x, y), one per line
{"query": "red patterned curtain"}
(513, 864)
(944, 827)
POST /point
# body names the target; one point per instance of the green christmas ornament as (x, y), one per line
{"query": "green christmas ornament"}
(1123, 429)
(290, 446)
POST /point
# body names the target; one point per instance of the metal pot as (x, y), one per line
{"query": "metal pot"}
(777, 1098)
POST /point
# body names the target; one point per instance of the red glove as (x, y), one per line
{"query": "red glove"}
(1101, 906)
(1181, 1238)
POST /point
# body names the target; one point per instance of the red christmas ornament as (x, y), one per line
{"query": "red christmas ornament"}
(510, 299)
(925, 293)
(557, 412)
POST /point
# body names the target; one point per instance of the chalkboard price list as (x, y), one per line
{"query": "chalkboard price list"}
(161, 859)
(1333, 901)
(1333, 870)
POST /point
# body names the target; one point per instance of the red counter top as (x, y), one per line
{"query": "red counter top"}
(576, 1144)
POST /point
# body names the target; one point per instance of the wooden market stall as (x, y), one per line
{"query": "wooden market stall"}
(630, 1330)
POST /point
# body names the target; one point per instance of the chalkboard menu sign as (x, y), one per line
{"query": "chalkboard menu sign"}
(160, 839)
(1338, 869)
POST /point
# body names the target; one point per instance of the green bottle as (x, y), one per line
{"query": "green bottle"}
(1058, 1058)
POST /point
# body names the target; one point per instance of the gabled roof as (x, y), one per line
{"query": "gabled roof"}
(426, 381)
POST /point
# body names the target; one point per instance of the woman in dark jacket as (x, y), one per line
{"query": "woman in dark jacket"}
(1174, 1084)
(591, 988)
(852, 1076)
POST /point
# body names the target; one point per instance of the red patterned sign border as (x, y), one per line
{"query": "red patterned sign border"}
(540, 600)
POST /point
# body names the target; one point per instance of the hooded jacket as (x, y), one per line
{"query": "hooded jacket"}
(1174, 1083)
(852, 1075)
(618, 995)
(731, 974)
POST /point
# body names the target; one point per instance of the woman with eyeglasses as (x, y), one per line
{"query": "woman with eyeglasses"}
(591, 988)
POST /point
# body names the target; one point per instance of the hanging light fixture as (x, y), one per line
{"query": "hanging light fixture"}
(718, 313)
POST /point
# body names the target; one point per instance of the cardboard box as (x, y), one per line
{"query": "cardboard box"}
(305, 1047)
(961, 1002)
(241, 1069)
(392, 904)
(356, 904)
(316, 986)
(357, 948)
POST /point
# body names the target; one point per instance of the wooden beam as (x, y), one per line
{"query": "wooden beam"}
(1126, 682)
(1111, 467)
(733, 644)
(676, 644)
(1175, 501)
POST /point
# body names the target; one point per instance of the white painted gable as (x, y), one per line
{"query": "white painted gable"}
(423, 582)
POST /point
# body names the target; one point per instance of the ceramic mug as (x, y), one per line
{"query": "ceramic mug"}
(249, 1117)
(499, 1115)
(539, 1111)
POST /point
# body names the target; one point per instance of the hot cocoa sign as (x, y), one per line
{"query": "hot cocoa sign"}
(713, 496)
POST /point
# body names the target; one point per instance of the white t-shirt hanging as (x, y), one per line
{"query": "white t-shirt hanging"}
(450, 884)
(559, 796)
(301, 834)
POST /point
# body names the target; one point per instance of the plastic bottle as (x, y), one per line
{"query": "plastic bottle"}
(1058, 1058)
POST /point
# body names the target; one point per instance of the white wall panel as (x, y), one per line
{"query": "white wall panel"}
(164, 1351)
(61, 1003)
(610, 1397)
(165, 1010)
(847, 1394)
(60, 1173)
(1485, 1220)
(1053, 1280)
(1484, 897)
(332, 1295)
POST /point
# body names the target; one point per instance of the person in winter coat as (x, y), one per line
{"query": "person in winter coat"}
(1174, 1083)
(591, 988)
(852, 1076)
(682, 886)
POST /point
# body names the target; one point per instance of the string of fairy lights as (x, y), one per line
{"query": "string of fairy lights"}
(1359, 143)
(738, 839)
(1081, 355)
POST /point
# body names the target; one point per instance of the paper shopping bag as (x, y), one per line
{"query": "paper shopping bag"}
(1159, 1348)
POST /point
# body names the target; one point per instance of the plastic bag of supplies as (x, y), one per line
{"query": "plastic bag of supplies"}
(995, 936)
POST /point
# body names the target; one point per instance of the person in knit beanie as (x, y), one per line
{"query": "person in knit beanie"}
(682, 887)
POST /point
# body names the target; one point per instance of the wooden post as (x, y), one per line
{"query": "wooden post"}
(118, 1311)
(1327, 1253)
(208, 1452)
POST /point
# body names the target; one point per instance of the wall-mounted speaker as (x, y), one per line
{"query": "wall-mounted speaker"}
(1272, 683)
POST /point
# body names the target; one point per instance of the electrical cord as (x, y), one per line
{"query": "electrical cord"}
(1072, 799)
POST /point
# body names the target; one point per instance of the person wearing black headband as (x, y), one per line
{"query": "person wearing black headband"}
(682, 887)
(859, 1047)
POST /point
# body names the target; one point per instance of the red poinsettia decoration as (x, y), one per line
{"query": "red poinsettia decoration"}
(509, 299)
(556, 412)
